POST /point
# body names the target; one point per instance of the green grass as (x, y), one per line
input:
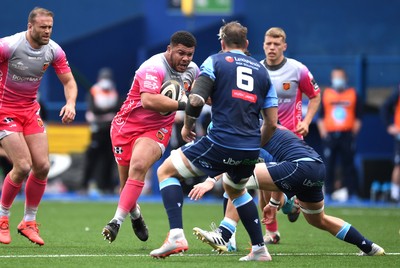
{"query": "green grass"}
(72, 232)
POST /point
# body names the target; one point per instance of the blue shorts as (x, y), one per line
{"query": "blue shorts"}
(303, 179)
(213, 159)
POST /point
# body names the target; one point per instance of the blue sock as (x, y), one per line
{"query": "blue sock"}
(227, 230)
(172, 196)
(226, 199)
(248, 213)
(350, 234)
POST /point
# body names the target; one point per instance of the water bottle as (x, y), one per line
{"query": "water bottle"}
(386, 192)
(375, 189)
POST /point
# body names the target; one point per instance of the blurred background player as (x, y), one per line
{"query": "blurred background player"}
(103, 104)
(238, 86)
(338, 124)
(140, 134)
(24, 58)
(291, 79)
(390, 108)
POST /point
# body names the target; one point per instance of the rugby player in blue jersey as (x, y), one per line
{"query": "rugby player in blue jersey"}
(297, 170)
(238, 86)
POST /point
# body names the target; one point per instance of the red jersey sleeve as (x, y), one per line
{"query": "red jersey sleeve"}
(60, 63)
(4, 51)
(307, 83)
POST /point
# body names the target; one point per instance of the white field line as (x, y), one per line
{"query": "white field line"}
(178, 255)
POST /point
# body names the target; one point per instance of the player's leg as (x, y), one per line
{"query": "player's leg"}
(17, 150)
(145, 153)
(347, 148)
(35, 185)
(330, 153)
(395, 187)
(248, 213)
(314, 214)
(171, 191)
(272, 235)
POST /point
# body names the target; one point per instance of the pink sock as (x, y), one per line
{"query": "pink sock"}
(130, 194)
(34, 190)
(272, 227)
(9, 192)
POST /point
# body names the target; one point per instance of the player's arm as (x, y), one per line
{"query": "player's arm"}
(200, 92)
(160, 103)
(270, 121)
(272, 207)
(308, 86)
(71, 92)
(200, 189)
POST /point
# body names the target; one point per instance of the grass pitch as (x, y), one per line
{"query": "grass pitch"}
(72, 233)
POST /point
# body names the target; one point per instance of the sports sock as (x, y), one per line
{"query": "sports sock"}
(172, 196)
(129, 196)
(135, 213)
(8, 194)
(395, 192)
(249, 216)
(34, 190)
(225, 202)
(272, 227)
(227, 228)
(350, 234)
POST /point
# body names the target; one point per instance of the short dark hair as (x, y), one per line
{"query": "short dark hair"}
(234, 34)
(39, 11)
(184, 38)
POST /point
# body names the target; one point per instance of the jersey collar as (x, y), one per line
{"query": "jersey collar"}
(275, 67)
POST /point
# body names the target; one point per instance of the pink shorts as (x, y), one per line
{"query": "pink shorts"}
(123, 145)
(26, 121)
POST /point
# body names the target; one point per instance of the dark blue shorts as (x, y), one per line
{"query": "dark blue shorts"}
(213, 159)
(303, 179)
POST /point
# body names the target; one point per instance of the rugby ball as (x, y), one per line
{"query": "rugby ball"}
(171, 89)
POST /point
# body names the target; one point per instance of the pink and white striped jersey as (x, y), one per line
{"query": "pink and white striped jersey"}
(22, 68)
(291, 79)
(132, 117)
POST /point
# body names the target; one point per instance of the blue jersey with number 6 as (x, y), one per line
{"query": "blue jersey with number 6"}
(242, 88)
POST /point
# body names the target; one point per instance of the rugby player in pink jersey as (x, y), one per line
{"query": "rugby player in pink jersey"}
(140, 134)
(291, 79)
(24, 58)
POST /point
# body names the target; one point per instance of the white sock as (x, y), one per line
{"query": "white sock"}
(120, 216)
(176, 233)
(395, 191)
(255, 248)
(30, 213)
(135, 213)
(4, 212)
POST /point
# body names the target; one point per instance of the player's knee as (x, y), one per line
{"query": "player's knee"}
(41, 170)
(22, 167)
(138, 167)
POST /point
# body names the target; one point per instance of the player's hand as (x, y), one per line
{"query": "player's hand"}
(302, 128)
(200, 189)
(393, 130)
(188, 135)
(269, 213)
(68, 113)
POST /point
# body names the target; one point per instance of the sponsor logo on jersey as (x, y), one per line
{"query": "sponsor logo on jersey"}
(313, 82)
(1, 76)
(118, 150)
(34, 58)
(229, 59)
(286, 85)
(45, 66)
(40, 122)
(232, 162)
(151, 78)
(205, 164)
(25, 78)
(160, 135)
(239, 94)
(310, 183)
(20, 66)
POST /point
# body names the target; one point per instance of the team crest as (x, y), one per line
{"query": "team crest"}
(160, 135)
(286, 85)
(40, 122)
(229, 59)
(45, 66)
(118, 150)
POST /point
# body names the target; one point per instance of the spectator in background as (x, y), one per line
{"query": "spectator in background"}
(339, 123)
(103, 104)
(392, 107)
